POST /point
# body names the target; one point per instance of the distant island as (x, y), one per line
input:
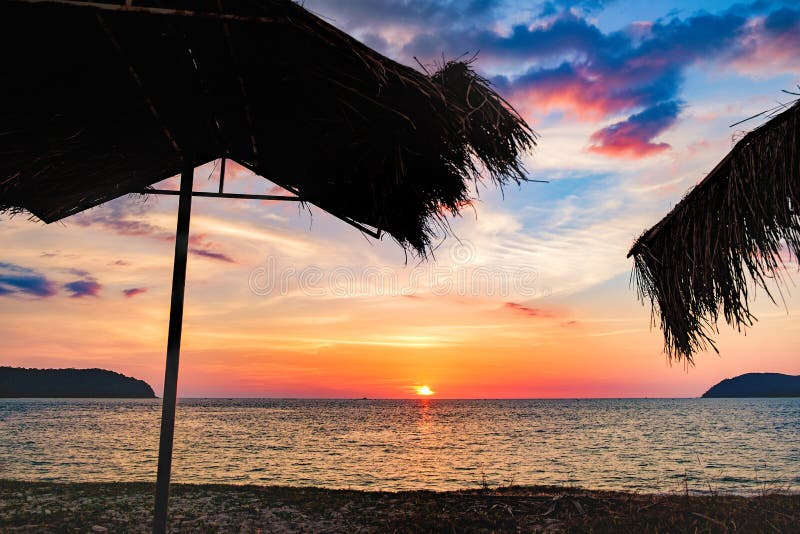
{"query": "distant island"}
(756, 385)
(70, 383)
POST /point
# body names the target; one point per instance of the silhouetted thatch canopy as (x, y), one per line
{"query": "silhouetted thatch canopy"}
(102, 99)
(724, 238)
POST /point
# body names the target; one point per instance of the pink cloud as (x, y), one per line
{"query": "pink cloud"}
(632, 138)
(582, 95)
(132, 292)
(625, 147)
(769, 46)
(525, 310)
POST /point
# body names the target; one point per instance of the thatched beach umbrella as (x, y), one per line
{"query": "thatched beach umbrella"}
(724, 238)
(103, 99)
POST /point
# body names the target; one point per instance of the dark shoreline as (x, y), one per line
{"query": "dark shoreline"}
(126, 507)
(23, 382)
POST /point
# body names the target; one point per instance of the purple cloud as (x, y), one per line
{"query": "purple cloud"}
(83, 288)
(15, 280)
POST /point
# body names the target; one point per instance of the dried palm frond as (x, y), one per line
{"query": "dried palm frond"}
(724, 239)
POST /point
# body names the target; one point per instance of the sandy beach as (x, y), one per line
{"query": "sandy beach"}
(126, 507)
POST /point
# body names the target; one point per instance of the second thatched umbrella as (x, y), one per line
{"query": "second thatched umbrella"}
(725, 237)
(104, 99)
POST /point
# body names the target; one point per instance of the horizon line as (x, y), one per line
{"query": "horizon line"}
(442, 398)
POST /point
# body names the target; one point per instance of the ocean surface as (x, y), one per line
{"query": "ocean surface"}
(717, 445)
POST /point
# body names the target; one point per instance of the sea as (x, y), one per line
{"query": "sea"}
(735, 446)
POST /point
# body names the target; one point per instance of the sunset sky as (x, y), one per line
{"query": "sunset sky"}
(633, 101)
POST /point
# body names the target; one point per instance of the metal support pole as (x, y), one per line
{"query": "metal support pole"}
(173, 353)
(221, 175)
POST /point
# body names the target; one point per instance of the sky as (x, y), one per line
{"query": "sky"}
(633, 102)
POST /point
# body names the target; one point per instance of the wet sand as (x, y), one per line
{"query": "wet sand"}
(127, 507)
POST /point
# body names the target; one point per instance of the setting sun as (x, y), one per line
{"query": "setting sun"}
(424, 390)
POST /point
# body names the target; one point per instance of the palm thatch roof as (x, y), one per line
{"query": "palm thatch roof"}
(724, 239)
(103, 99)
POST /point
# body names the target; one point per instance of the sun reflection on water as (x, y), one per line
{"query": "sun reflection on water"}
(421, 443)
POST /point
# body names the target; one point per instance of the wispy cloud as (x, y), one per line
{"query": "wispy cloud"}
(526, 310)
(124, 216)
(201, 246)
(130, 217)
(210, 254)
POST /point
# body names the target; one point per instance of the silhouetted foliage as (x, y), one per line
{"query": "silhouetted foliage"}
(70, 383)
(757, 385)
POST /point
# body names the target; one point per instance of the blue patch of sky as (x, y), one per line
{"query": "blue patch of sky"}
(727, 85)
(561, 184)
(536, 205)
(620, 13)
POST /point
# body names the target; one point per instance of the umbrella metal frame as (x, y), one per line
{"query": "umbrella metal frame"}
(169, 397)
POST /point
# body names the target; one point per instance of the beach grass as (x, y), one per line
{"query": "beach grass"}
(127, 507)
